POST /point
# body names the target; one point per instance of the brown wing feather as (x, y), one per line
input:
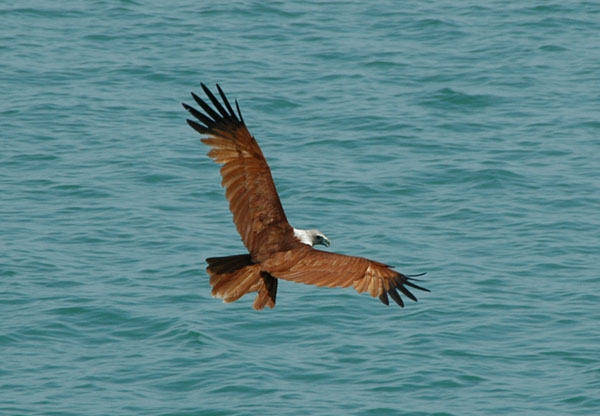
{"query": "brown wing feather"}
(322, 268)
(249, 186)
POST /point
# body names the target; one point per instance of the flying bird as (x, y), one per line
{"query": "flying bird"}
(276, 250)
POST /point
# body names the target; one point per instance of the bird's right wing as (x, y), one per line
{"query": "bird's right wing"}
(249, 186)
(322, 268)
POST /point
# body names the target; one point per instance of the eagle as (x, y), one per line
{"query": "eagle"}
(276, 250)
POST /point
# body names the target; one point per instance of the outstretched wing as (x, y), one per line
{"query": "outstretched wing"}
(247, 179)
(322, 268)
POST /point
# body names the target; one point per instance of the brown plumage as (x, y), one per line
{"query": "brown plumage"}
(275, 250)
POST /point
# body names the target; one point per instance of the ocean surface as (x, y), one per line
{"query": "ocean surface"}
(461, 139)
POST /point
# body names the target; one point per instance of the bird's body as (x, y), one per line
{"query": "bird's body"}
(276, 250)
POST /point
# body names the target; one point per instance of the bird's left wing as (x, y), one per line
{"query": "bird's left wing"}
(249, 186)
(322, 268)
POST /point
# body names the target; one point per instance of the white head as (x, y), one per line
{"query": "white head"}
(311, 237)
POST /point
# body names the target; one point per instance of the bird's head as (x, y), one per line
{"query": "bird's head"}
(311, 237)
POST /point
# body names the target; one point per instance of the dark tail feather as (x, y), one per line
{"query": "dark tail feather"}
(229, 264)
(266, 297)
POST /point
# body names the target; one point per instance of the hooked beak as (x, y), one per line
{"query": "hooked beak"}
(326, 242)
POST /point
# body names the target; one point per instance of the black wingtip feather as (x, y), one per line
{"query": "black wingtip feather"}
(409, 283)
(239, 112)
(384, 298)
(226, 102)
(407, 293)
(392, 292)
(199, 128)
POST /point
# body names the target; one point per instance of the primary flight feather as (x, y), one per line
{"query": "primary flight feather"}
(276, 250)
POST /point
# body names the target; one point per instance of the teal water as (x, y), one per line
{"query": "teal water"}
(457, 138)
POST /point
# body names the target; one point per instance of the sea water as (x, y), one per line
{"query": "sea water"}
(461, 139)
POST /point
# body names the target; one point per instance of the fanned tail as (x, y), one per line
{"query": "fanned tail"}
(232, 277)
